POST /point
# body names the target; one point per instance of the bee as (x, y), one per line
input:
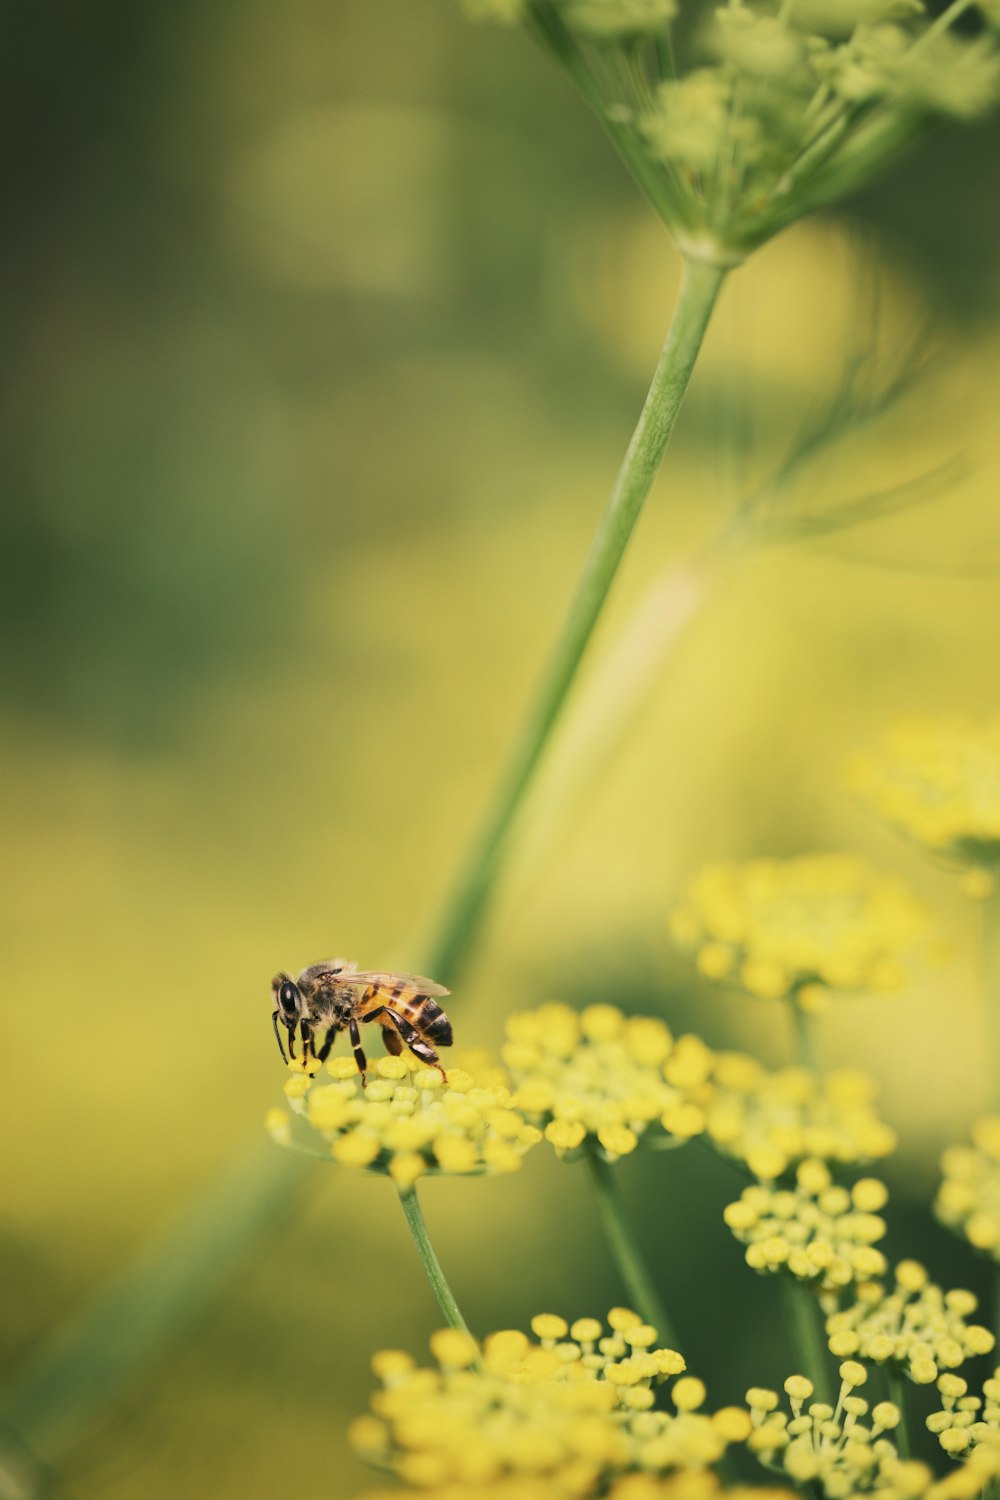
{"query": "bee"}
(337, 996)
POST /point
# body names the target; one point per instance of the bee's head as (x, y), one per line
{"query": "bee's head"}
(287, 999)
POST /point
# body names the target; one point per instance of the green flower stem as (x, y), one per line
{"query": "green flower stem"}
(805, 1037)
(897, 1395)
(467, 909)
(431, 1264)
(991, 984)
(636, 1279)
(810, 1343)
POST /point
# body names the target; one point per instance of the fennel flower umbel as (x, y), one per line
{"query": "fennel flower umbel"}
(687, 1484)
(406, 1123)
(772, 1120)
(603, 1081)
(799, 929)
(847, 1450)
(817, 1232)
(968, 1200)
(741, 120)
(966, 1422)
(938, 782)
(574, 1407)
(843, 1450)
(915, 1327)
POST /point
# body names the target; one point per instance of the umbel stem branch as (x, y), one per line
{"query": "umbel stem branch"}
(466, 911)
(636, 1278)
(805, 1320)
(428, 1257)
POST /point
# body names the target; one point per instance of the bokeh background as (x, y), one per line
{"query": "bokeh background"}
(325, 328)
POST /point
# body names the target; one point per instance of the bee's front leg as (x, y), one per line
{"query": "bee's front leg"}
(359, 1055)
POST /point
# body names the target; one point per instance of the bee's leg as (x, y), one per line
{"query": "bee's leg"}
(277, 1036)
(324, 1051)
(417, 1044)
(391, 1038)
(307, 1036)
(359, 1056)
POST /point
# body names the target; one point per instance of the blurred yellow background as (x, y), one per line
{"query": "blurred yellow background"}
(327, 326)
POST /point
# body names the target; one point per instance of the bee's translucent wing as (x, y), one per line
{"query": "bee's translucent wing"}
(388, 981)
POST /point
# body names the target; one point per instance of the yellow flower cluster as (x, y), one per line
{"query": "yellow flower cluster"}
(917, 1327)
(841, 1450)
(773, 1120)
(817, 1231)
(407, 1122)
(966, 1422)
(968, 1200)
(696, 1484)
(799, 928)
(690, 1484)
(605, 1080)
(939, 782)
(574, 1408)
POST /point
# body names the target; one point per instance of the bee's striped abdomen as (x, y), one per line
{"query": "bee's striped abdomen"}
(425, 1014)
(433, 1022)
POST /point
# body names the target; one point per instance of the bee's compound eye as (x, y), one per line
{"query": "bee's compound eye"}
(288, 998)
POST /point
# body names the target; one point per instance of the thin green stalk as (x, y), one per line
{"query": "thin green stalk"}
(991, 984)
(822, 146)
(942, 23)
(897, 1395)
(665, 54)
(810, 1343)
(428, 1257)
(805, 1037)
(467, 908)
(639, 1285)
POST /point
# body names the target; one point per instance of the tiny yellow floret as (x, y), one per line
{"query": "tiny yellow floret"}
(450, 1346)
(688, 1393)
(549, 1326)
